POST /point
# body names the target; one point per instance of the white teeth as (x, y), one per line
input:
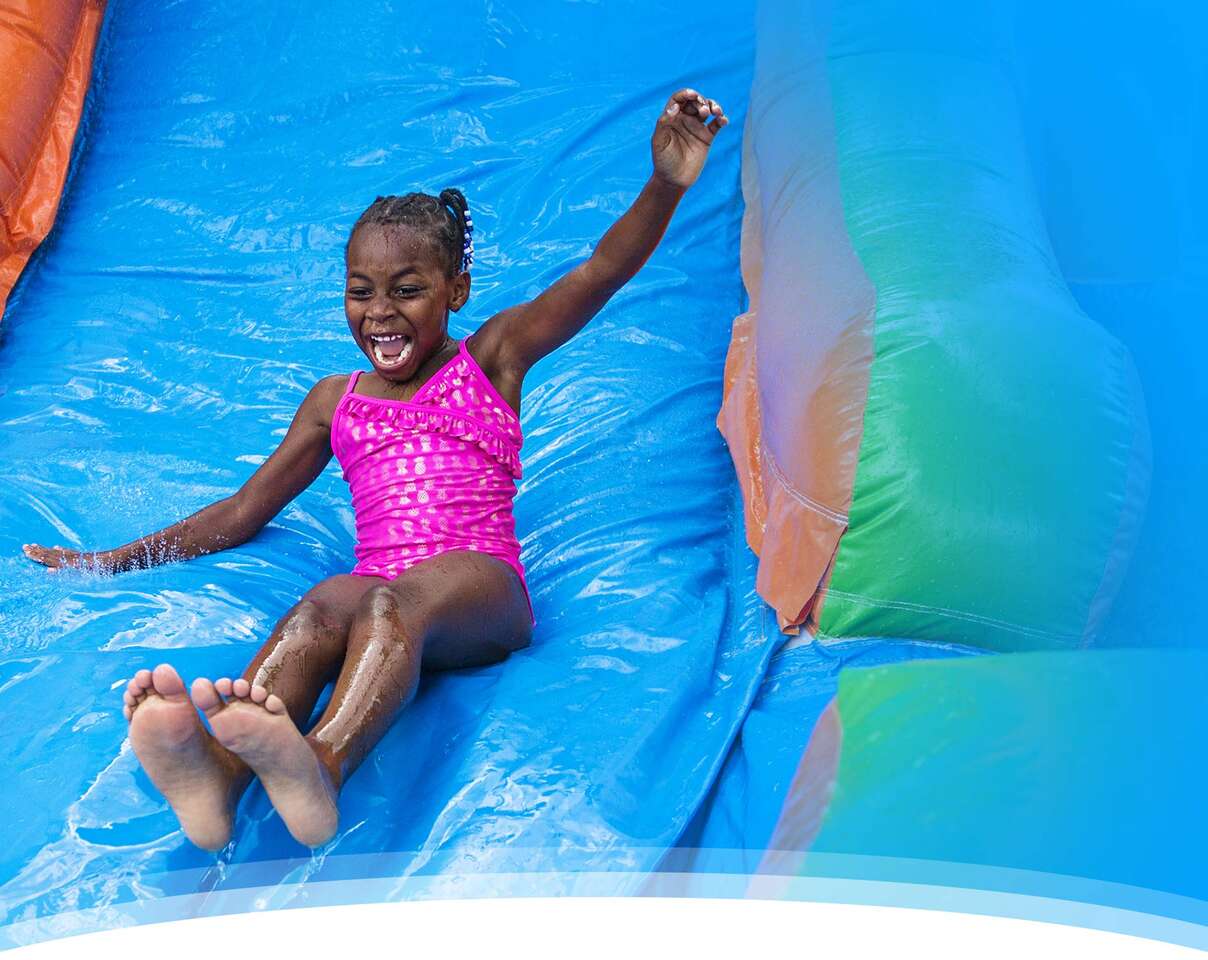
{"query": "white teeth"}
(391, 362)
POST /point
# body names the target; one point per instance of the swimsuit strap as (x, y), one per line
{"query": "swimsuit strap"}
(352, 381)
(481, 376)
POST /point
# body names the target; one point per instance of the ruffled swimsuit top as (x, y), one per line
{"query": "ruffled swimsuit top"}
(434, 473)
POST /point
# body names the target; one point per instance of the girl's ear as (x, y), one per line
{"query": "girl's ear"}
(461, 291)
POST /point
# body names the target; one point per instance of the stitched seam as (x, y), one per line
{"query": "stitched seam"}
(951, 614)
(765, 455)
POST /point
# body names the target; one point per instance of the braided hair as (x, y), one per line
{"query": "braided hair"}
(444, 219)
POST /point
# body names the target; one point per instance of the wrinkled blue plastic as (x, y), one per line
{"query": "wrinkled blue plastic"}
(733, 826)
(162, 339)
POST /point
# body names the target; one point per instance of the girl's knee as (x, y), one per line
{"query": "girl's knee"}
(308, 637)
(378, 603)
(397, 604)
(309, 617)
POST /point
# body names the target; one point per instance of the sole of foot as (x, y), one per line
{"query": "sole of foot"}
(255, 726)
(179, 756)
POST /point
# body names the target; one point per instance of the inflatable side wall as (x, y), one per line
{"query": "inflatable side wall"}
(933, 440)
(46, 49)
(1063, 763)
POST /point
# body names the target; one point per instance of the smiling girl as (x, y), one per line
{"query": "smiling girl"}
(429, 441)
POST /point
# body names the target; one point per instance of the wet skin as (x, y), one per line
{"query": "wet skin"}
(369, 635)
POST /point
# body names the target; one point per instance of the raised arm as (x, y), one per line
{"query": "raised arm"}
(293, 466)
(524, 334)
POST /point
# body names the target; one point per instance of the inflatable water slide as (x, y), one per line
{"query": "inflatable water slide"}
(863, 527)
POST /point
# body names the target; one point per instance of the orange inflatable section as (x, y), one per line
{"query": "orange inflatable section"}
(46, 49)
(797, 370)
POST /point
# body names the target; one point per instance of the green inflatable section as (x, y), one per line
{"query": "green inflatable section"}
(1074, 763)
(1004, 460)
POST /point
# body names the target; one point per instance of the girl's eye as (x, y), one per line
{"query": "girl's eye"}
(358, 292)
(406, 291)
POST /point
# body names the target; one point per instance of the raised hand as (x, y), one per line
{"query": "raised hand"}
(683, 135)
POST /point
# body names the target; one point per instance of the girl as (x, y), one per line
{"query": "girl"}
(429, 441)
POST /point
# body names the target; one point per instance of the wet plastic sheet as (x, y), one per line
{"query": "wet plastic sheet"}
(160, 342)
(737, 820)
(1058, 765)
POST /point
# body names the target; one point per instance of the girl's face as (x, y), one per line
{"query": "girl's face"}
(397, 298)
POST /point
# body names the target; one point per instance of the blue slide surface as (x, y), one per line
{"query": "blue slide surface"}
(161, 340)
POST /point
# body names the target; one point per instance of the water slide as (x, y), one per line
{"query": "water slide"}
(191, 293)
(891, 481)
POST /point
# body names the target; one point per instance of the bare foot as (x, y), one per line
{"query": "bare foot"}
(182, 760)
(254, 725)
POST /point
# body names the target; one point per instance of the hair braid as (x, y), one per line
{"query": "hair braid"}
(455, 200)
(444, 219)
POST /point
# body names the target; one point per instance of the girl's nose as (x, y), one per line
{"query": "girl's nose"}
(377, 308)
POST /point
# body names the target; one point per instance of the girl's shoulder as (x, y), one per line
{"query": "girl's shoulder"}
(484, 349)
(326, 395)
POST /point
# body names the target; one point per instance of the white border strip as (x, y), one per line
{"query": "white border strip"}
(599, 927)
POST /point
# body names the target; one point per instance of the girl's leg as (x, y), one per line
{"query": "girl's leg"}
(301, 656)
(306, 649)
(200, 779)
(459, 609)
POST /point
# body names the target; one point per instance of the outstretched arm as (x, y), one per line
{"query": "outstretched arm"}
(293, 466)
(682, 137)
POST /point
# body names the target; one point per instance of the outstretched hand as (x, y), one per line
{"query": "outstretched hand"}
(56, 557)
(683, 135)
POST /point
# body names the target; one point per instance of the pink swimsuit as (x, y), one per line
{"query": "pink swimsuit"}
(431, 474)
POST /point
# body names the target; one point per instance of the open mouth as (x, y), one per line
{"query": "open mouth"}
(391, 350)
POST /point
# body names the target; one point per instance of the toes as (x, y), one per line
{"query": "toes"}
(167, 682)
(205, 696)
(211, 697)
(135, 692)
